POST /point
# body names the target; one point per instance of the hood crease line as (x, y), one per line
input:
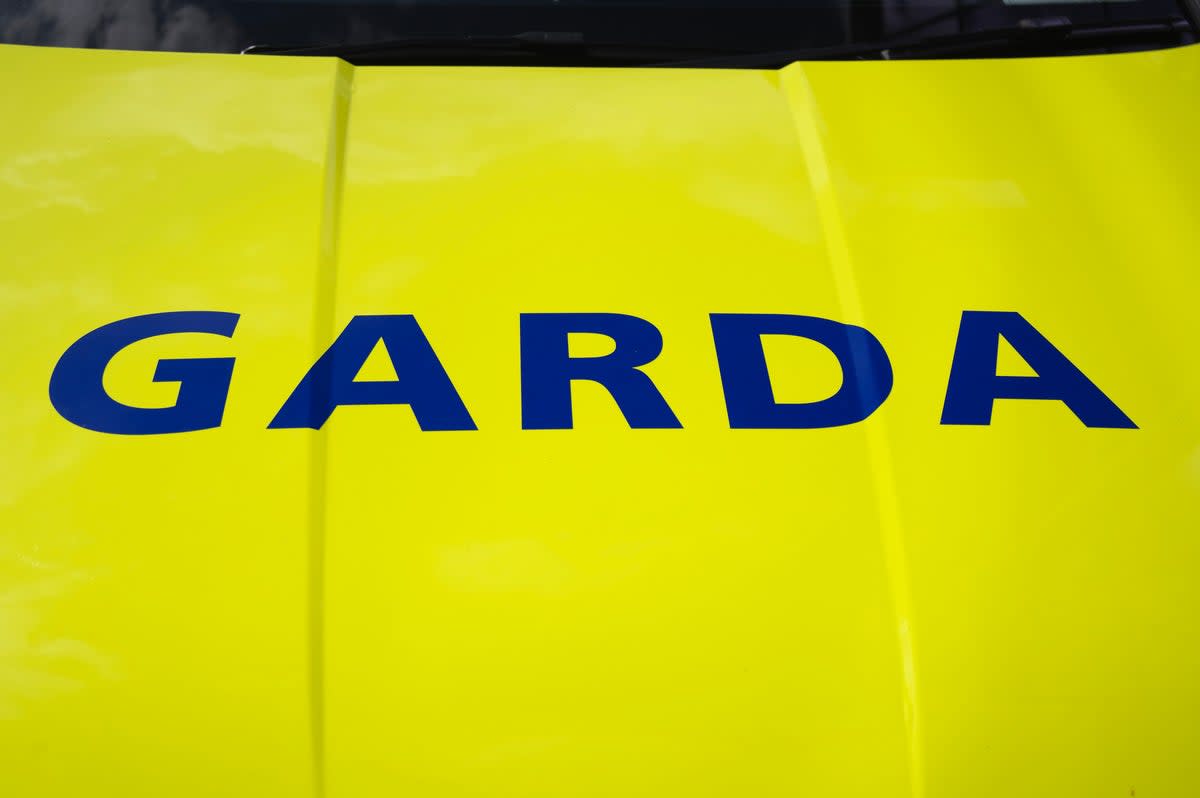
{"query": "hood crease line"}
(324, 317)
(798, 93)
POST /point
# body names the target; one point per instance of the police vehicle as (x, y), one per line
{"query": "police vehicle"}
(569, 398)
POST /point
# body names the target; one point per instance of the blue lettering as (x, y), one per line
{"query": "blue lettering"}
(422, 382)
(974, 384)
(547, 369)
(77, 383)
(749, 401)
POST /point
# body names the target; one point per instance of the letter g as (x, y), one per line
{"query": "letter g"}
(77, 384)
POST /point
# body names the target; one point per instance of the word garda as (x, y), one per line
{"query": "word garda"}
(547, 371)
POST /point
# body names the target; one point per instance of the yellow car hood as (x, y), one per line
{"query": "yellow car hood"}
(890, 607)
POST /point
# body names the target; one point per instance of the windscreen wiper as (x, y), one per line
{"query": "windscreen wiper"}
(1036, 36)
(539, 48)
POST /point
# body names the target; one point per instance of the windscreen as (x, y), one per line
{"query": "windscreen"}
(231, 26)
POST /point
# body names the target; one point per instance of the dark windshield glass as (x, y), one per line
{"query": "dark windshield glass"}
(232, 25)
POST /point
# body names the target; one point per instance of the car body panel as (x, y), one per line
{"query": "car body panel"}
(890, 608)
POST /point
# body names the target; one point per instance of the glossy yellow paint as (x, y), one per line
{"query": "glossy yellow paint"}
(894, 608)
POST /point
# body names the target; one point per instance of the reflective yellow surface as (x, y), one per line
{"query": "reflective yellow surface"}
(892, 608)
